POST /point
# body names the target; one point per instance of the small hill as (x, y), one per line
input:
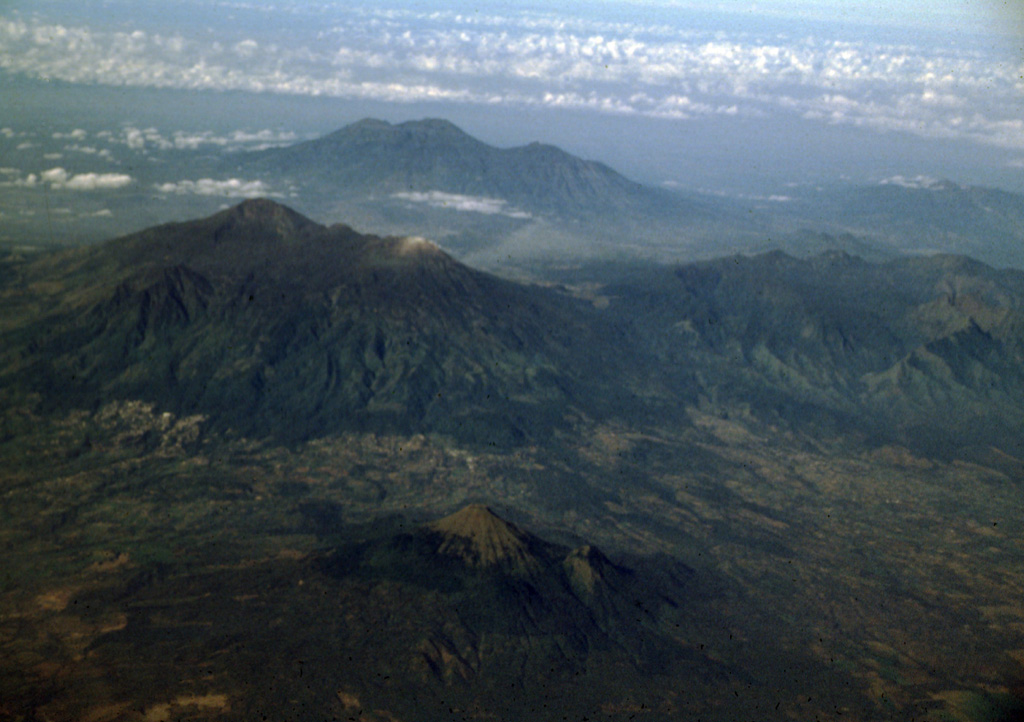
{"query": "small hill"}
(394, 627)
(529, 592)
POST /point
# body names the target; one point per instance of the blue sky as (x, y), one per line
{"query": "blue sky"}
(708, 95)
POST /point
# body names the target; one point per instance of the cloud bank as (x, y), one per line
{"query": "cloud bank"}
(550, 60)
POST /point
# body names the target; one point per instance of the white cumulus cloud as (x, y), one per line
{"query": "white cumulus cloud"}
(153, 139)
(60, 179)
(229, 188)
(76, 134)
(922, 182)
(457, 202)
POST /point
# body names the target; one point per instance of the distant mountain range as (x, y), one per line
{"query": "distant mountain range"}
(494, 206)
(519, 210)
(926, 217)
(430, 177)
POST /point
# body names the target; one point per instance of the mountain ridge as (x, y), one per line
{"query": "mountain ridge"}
(927, 216)
(306, 328)
(270, 324)
(844, 344)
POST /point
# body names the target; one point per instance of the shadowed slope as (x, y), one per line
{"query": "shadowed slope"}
(534, 594)
(840, 346)
(271, 324)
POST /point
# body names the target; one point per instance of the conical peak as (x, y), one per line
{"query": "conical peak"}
(473, 513)
(474, 521)
(268, 214)
(482, 538)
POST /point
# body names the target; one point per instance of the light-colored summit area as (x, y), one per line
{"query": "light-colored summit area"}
(480, 537)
